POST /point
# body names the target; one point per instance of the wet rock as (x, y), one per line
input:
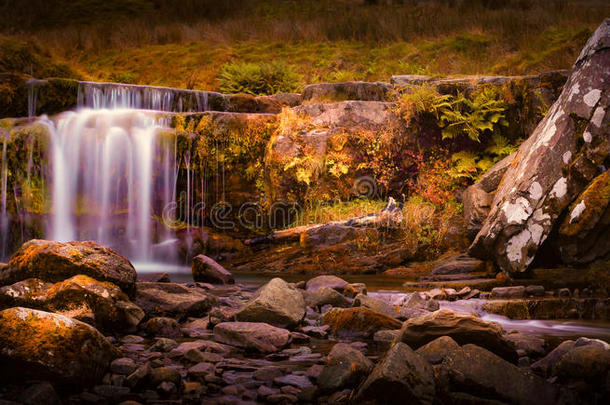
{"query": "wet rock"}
(385, 336)
(299, 381)
(476, 371)
(534, 291)
(464, 329)
(56, 261)
(530, 345)
(163, 327)
(326, 296)
(345, 367)
(156, 277)
(164, 374)
(163, 345)
(316, 331)
(200, 370)
(553, 166)
(333, 282)
(375, 304)
(172, 300)
(358, 321)
(365, 91)
(202, 345)
(401, 376)
(44, 345)
(40, 393)
(435, 351)
(277, 304)
(458, 264)
(415, 306)
(548, 365)
(590, 363)
(508, 292)
(206, 270)
(124, 366)
(353, 289)
(138, 378)
(255, 336)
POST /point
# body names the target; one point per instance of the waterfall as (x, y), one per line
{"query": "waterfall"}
(117, 95)
(3, 194)
(106, 167)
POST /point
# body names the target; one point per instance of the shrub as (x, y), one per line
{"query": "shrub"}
(259, 79)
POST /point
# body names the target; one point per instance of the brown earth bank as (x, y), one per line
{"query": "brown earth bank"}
(82, 339)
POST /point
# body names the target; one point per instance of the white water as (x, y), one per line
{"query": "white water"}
(3, 193)
(117, 95)
(105, 168)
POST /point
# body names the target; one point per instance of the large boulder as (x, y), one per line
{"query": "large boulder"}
(43, 345)
(277, 303)
(477, 198)
(463, 329)
(359, 321)
(584, 234)
(345, 367)
(80, 297)
(56, 261)
(254, 336)
(562, 156)
(206, 270)
(474, 370)
(401, 376)
(173, 300)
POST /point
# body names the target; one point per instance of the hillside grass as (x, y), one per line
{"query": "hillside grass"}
(159, 42)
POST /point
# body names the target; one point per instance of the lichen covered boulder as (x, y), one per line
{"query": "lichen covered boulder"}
(56, 261)
(359, 321)
(43, 345)
(81, 297)
(562, 156)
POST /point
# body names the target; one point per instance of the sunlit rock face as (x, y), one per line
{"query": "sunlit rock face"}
(568, 149)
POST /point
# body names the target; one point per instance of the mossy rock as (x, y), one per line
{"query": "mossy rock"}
(43, 345)
(359, 321)
(509, 309)
(55, 261)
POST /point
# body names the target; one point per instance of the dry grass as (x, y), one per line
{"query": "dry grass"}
(161, 42)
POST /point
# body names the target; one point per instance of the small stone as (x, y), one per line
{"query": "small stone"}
(564, 293)
(167, 388)
(267, 373)
(163, 345)
(264, 391)
(193, 388)
(524, 362)
(163, 327)
(110, 391)
(200, 370)
(353, 289)
(508, 292)
(161, 374)
(136, 379)
(40, 393)
(124, 366)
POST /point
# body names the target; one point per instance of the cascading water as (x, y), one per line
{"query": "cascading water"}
(116, 95)
(3, 194)
(105, 166)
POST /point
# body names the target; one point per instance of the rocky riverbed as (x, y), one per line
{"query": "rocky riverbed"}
(70, 334)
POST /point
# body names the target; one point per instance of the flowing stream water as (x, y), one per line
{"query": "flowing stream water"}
(113, 170)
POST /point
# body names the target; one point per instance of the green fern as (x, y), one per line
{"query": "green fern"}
(484, 111)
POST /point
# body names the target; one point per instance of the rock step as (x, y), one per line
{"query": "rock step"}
(483, 284)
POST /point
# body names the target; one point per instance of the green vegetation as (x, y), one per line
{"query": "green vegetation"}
(259, 79)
